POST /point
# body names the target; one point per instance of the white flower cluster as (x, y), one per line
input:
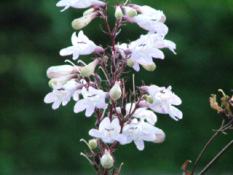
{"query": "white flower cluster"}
(117, 120)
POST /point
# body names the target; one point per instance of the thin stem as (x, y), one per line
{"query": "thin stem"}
(216, 157)
(205, 147)
(203, 151)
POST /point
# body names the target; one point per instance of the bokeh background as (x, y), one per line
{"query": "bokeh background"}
(36, 140)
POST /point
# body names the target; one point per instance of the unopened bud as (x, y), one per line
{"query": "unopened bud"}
(107, 160)
(105, 57)
(115, 92)
(89, 69)
(130, 62)
(130, 12)
(58, 71)
(149, 99)
(150, 68)
(118, 13)
(88, 11)
(83, 21)
(93, 143)
(61, 80)
(160, 136)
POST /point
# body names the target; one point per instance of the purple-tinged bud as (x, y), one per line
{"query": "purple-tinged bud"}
(115, 92)
(99, 50)
(89, 69)
(83, 21)
(118, 13)
(144, 88)
(99, 4)
(58, 71)
(127, 51)
(107, 160)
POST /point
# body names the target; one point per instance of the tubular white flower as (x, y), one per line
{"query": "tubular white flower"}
(62, 80)
(149, 23)
(59, 71)
(79, 4)
(163, 99)
(140, 132)
(81, 46)
(93, 98)
(109, 131)
(61, 93)
(149, 11)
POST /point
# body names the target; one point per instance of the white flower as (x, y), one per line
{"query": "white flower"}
(93, 98)
(142, 113)
(61, 93)
(163, 99)
(149, 23)
(149, 11)
(143, 51)
(79, 4)
(81, 46)
(140, 132)
(59, 71)
(109, 131)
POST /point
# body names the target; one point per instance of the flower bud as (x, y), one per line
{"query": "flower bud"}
(115, 92)
(107, 160)
(130, 12)
(105, 57)
(61, 80)
(130, 62)
(118, 13)
(149, 99)
(58, 71)
(93, 143)
(160, 136)
(89, 69)
(88, 11)
(150, 68)
(83, 21)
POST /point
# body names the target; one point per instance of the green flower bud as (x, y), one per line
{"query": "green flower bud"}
(130, 12)
(130, 62)
(88, 11)
(149, 99)
(150, 68)
(115, 92)
(118, 13)
(93, 143)
(107, 160)
(89, 69)
(83, 21)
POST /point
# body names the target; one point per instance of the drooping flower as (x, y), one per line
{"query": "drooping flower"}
(79, 4)
(149, 11)
(149, 23)
(81, 46)
(59, 71)
(140, 132)
(93, 98)
(62, 94)
(109, 131)
(163, 99)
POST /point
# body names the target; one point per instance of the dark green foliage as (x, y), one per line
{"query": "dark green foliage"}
(34, 138)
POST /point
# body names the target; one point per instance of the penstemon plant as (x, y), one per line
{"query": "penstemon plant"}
(122, 116)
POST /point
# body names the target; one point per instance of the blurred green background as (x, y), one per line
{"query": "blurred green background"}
(36, 140)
